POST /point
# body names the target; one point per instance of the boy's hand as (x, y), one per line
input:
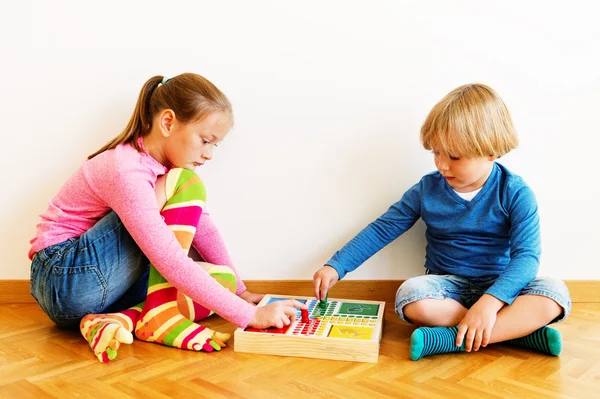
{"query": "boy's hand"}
(251, 297)
(276, 314)
(323, 280)
(478, 323)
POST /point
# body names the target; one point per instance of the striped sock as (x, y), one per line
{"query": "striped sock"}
(426, 341)
(106, 332)
(545, 340)
(194, 311)
(161, 320)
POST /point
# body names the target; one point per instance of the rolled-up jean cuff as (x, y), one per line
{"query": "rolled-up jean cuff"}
(430, 295)
(564, 303)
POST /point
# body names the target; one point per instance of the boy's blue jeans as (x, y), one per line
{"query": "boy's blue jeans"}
(467, 292)
(101, 271)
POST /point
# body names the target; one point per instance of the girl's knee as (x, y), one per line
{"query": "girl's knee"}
(184, 184)
(183, 173)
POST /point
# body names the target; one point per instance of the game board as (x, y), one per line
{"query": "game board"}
(344, 330)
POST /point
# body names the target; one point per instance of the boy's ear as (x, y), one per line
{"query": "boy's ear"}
(167, 118)
(492, 157)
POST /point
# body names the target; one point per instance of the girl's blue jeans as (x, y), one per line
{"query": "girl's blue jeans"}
(101, 271)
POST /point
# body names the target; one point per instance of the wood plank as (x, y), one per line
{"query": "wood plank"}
(582, 291)
(38, 360)
(15, 291)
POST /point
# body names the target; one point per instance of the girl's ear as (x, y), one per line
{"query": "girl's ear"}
(492, 157)
(167, 118)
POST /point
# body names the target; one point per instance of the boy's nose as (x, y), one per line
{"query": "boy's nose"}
(207, 154)
(442, 165)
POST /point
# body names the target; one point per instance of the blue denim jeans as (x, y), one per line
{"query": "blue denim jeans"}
(467, 292)
(101, 271)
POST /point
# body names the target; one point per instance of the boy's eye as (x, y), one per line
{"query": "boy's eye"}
(455, 158)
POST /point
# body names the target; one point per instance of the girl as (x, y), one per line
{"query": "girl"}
(111, 251)
(483, 239)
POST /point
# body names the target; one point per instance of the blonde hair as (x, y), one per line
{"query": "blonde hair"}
(191, 96)
(470, 121)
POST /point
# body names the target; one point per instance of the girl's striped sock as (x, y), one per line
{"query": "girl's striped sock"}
(194, 311)
(106, 332)
(545, 340)
(161, 320)
(426, 341)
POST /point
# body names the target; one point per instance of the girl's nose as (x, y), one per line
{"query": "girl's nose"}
(207, 154)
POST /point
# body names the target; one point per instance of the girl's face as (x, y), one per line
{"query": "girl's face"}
(463, 174)
(191, 144)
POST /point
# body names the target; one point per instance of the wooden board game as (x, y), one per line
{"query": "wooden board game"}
(340, 329)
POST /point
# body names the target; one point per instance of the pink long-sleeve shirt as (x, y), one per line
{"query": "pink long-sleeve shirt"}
(123, 180)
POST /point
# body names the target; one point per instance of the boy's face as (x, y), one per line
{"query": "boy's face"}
(464, 174)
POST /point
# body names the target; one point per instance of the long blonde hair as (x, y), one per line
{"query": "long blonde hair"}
(470, 121)
(191, 96)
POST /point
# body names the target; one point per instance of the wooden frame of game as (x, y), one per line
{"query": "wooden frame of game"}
(340, 329)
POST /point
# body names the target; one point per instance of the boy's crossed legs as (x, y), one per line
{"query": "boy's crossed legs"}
(167, 315)
(523, 323)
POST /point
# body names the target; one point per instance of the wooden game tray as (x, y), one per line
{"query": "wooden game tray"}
(347, 330)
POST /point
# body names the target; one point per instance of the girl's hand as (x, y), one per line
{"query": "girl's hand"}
(478, 323)
(251, 297)
(323, 280)
(276, 314)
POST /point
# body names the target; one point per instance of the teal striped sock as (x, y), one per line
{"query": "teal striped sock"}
(545, 340)
(426, 341)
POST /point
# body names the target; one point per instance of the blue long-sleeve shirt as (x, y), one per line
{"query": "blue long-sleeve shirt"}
(495, 235)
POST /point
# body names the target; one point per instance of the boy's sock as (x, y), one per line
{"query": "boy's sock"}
(161, 321)
(426, 341)
(106, 332)
(545, 340)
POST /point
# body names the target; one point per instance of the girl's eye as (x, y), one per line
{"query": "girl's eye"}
(206, 141)
(455, 158)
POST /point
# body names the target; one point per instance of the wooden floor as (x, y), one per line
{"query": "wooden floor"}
(38, 360)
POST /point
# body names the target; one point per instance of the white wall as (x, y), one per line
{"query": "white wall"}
(328, 97)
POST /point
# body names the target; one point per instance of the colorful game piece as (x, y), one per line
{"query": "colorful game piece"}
(344, 329)
(304, 313)
(323, 302)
